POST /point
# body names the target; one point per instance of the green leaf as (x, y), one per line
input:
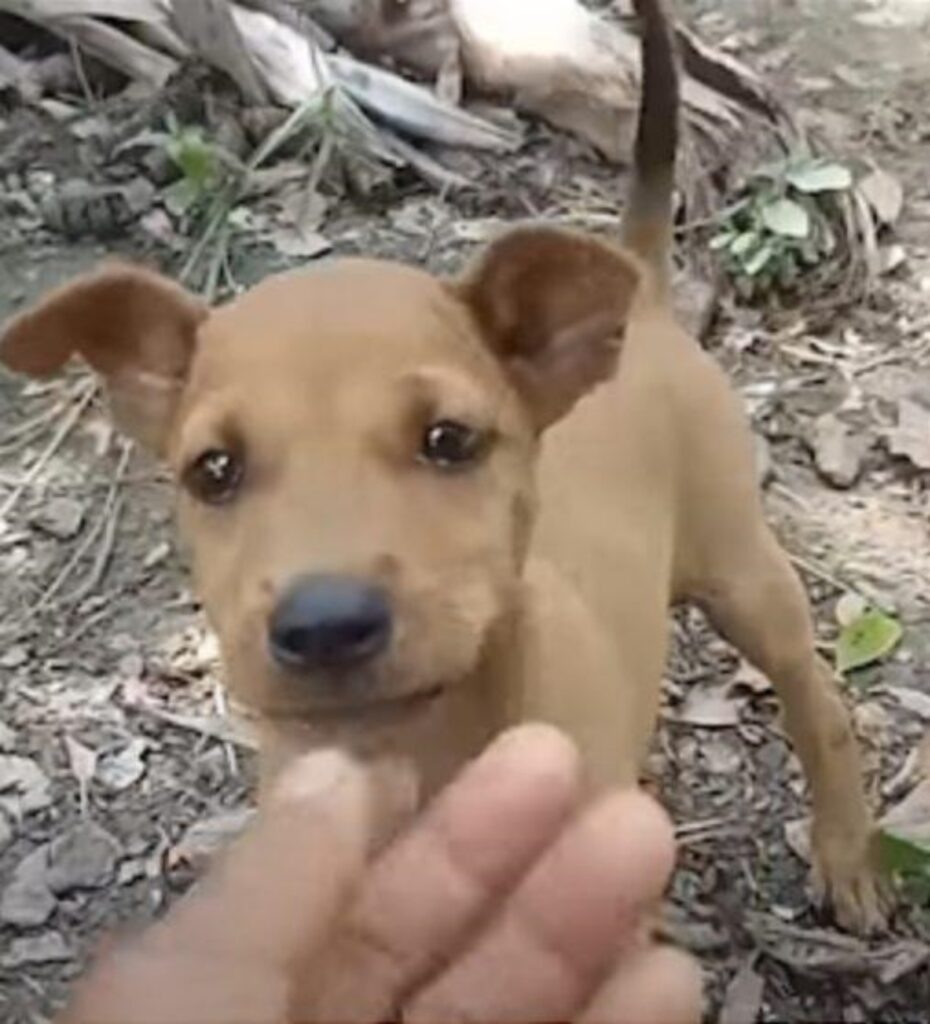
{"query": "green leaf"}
(819, 177)
(181, 196)
(194, 156)
(866, 640)
(743, 242)
(721, 240)
(786, 218)
(757, 261)
(902, 856)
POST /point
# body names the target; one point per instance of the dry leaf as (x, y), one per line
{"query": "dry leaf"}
(299, 244)
(817, 951)
(910, 439)
(709, 708)
(743, 999)
(891, 257)
(721, 755)
(798, 838)
(205, 838)
(910, 819)
(884, 193)
(872, 723)
(24, 787)
(913, 700)
(916, 766)
(117, 772)
(83, 763)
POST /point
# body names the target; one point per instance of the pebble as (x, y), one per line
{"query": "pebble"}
(14, 657)
(47, 948)
(61, 518)
(27, 901)
(838, 454)
(84, 857)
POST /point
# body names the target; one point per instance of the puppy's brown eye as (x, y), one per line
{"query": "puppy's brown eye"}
(448, 444)
(214, 477)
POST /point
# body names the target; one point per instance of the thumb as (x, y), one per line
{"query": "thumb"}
(263, 908)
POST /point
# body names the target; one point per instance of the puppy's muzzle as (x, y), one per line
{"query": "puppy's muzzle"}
(324, 622)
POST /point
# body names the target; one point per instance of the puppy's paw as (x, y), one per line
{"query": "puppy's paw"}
(847, 878)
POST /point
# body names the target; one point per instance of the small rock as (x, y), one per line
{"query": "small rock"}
(24, 787)
(910, 439)
(47, 948)
(139, 194)
(27, 901)
(7, 738)
(83, 858)
(771, 756)
(14, 657)
(159, 168)
(838, 454)
(61, 518)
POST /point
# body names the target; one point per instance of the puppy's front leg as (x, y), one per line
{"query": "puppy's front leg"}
(566, 671)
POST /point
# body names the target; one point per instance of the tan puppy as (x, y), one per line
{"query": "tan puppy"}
(391, 558)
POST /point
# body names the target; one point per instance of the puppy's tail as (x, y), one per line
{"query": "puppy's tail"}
(647, 223)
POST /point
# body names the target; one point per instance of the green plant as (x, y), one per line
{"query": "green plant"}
(867, 634)
(907, 858)
(199, 161)
(781, 224)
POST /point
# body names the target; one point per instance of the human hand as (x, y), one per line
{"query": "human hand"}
(507, 900)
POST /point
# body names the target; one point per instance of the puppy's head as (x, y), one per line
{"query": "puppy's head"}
(354, 448)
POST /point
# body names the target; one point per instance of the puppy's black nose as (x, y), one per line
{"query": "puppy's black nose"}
(329, 622)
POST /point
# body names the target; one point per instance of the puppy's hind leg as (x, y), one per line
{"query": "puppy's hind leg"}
(757, 602)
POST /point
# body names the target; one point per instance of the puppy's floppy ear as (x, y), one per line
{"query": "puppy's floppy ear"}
(137, 329)
(552, 305)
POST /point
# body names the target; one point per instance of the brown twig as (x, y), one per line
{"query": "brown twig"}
(19, 436)
(222, 710)
(78, 58)
(223, 730)
(92, 534)
(84, 397)
(104, 553)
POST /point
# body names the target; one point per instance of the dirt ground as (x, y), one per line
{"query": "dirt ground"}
(117, 766)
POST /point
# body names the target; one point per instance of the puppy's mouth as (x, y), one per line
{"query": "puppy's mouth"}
(383, 706)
